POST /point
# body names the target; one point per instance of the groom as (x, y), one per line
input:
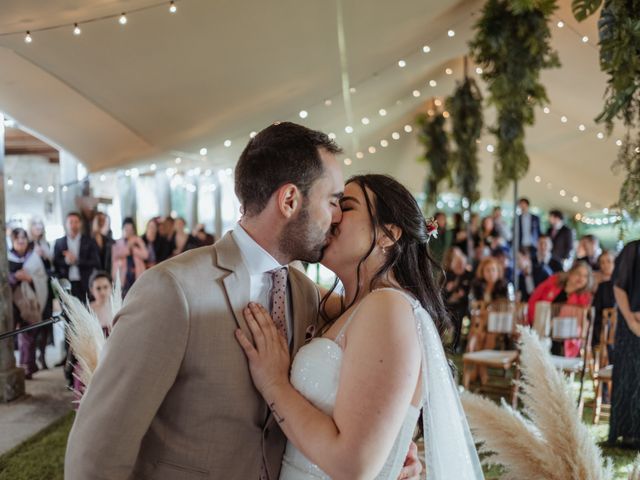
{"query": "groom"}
(172, 397)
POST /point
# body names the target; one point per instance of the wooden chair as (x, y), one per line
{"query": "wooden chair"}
(603, 369)
(488, 322)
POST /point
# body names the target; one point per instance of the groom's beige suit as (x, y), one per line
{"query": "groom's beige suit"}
(172, 398)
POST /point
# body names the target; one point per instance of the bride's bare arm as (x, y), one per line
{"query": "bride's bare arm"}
(379, 375)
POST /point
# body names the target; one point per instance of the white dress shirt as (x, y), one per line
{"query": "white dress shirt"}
(73, 245)
(259, 263)
(525, 220)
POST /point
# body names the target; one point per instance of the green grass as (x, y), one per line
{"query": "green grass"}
(41, 457)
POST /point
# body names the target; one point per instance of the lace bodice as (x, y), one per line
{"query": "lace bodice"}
(315, 374)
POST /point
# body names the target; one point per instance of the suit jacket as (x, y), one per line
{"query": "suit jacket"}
(562, 243)
(535, 229)
(172, 398)
(88, 259)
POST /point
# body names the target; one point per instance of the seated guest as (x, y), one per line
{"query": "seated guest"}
(561, 236)
(544, 256)
(129, 255)
(531, 274)
(572, 288)
(487, 231)
(458, 279)
(588, 251)
(501, 253)
(489, 283)
(604, 296)
(439, 245)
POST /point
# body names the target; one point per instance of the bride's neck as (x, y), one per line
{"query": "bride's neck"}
(353, 294)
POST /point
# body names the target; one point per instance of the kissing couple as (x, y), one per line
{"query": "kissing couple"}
(209, 372)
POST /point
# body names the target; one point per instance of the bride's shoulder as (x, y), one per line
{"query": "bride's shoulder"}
(386, 307)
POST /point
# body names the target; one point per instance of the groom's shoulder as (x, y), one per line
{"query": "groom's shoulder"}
(190, 264)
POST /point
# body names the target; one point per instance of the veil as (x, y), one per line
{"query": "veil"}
(449, 448)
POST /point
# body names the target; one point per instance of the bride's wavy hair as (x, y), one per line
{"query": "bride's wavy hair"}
(408, 258)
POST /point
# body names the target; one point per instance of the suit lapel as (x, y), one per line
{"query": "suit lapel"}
(237, 284)
(300, 307)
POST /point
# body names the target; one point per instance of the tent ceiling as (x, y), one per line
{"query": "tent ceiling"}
(167, 85)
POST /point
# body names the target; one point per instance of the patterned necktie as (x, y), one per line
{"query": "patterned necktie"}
(278, 298)
(277, 307)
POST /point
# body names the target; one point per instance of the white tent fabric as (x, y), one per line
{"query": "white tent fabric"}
(167, 85)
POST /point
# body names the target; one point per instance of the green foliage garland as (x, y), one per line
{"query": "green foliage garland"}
(512, 44)
(434, 137)
(619, 30)
(465, 107)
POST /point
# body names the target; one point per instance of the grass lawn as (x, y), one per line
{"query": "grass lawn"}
(42, 456)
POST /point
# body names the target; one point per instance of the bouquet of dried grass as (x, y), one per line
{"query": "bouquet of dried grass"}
(635, 472)
(84, 332)
(549, 441)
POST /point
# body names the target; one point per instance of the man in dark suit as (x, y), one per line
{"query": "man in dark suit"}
(531, 274)
(543, 255)
(561, 235)
(528, 227)
(76, 256)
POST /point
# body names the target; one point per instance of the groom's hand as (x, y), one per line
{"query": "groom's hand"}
(412, 466)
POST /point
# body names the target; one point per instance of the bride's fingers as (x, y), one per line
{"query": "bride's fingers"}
(256, 331)
(264, 320)
(246, 345)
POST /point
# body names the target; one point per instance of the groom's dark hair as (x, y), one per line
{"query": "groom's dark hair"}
(281, 153)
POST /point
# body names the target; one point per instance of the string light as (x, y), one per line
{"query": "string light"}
(408, 128)
(359, 155)
(581, 127)
(563, 119)
(451, 33)
(327, 102)
(372, 149)
(51, 189)
(227, 143)
(448, 71)
(416, 93)
(560, 24)
(303, 114)
(426, 49)
(179, 160)
(382, 112)
(585, 39)
(153, 167)
(172, 7)
(27, 37)
(76, 29)
(384, 143)
(538, 179)
(433, 83)
(123, 19)
(252, 134)
(479, 70)
(10, 182)
(348, 129)
(402, 63)
(395, 136)
(365, 121)
(347, 161)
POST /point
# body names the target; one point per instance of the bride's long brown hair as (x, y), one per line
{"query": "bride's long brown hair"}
(408, 258)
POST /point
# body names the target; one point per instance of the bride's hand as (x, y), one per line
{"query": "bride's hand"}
(269, 358)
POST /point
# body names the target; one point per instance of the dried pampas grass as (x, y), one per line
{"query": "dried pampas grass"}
(635, 472)
(551, 442)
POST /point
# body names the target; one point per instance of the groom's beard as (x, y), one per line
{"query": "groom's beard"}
(303, 240)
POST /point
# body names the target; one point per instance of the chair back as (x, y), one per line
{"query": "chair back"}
(569, 322)
(608, 335)
(501, 317)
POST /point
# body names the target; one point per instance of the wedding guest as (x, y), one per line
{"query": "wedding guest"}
(75, 257)
(459, 234)
(487, 231)
(183, 240)
(457, 286)
(500, 226)
(544, 256)
(439, 245)
(624, 423)
(528, 226)
(572, 288)
(604, 296)
(129, 254)
(101, 234)
(502, 255)
(41, 247)
(204, 238)
(531, 274)
(561, 236)
(489, 283)
(28, 281)
(157, 245)
(588, 251)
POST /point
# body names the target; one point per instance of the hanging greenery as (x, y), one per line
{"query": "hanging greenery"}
(619, 30)
(465, 108)
(512, 45)
(437, 156)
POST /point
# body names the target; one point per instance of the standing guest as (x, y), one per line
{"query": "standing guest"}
(456, 288)
(459, 233)
(489, 284)
(204, 238)
(624, 423)
(572, 288)
(75, 257)
(500, 225)
(166, 244)
(439, 245)
(528, 226)
(29, 288)
(41, 247)
(183, 240)
(531, 274)
(588, 251)
(561, 235)
(157, 245)
(129, 254)
(101, 234)
(544, 256)
(604, 296)
(487, 231)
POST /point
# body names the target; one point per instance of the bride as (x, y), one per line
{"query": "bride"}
(353, 399)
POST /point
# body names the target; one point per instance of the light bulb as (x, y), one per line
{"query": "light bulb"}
(348, 129)
(426, 49)
(382, 112)
(153, 167)
(416, 93)
(76, 29)
(372, 149)
(27, 37)
(303, 114)
(408, 128)
(227, 143)
(123, 19)
(395, 136)
(451, 33)
(365, 121)
(347, 161)
(384, 143)
(172, 7)
(585, 39)
(560, 24)
(448, 71)
(252, 134)
(563, 119)
(402, 63)
(203, 151)
(51, 189)
(432, 83)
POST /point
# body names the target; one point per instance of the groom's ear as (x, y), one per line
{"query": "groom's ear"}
(289, 199)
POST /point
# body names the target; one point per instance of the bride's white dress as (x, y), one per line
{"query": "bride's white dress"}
(315, 374)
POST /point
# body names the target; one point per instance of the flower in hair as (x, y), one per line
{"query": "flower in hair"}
(432, 228)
